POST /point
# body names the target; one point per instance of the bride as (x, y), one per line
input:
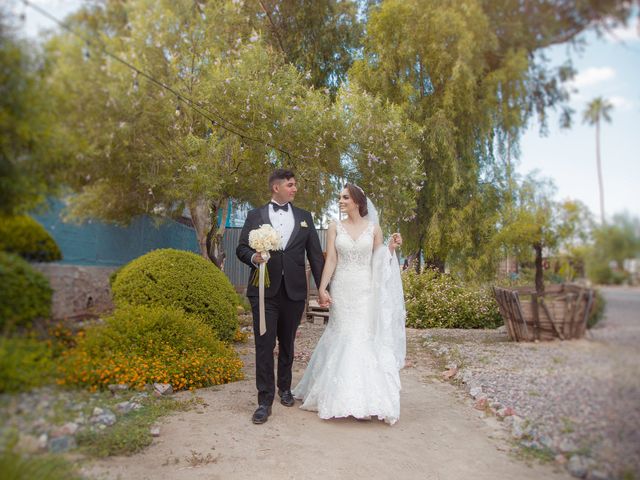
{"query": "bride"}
(354, 370)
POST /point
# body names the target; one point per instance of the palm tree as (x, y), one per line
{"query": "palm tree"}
(598, 109)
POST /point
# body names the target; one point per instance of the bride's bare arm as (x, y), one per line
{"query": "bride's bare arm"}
(330, 261)
(394, 242)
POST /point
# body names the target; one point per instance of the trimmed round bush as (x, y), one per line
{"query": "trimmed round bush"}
(436, 300)
(25, 293)
(24, 236)
(176, 278)
(139, 345)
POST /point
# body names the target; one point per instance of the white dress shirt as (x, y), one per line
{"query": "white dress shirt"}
(283, 222)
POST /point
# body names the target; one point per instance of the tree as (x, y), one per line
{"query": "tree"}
(471, 75)
(147, 150)
(597, 110)
(32, 145)
(319, 37)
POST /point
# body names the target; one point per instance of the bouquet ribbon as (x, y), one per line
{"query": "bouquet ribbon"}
(261, 281)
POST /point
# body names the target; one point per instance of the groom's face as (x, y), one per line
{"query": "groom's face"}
(285, 190)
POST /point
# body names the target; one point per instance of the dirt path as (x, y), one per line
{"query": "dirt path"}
(439, 436)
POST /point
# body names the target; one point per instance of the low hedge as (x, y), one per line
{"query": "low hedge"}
(435, 300)
(24, 363)
(25, 293)
(139, 345)
(176, 278)
(24, 236)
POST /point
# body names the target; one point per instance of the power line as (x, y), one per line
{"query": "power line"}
(234, 129)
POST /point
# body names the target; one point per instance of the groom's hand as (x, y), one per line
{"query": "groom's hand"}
(257, 259)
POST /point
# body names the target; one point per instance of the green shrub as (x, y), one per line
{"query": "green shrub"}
(24, 363)
(176, 278)
(16, 466)
(25, 293)
(435, 300)
(24, 236)
(597, 310)
(138, 345)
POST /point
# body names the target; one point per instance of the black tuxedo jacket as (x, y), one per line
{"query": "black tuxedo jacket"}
(286, 265)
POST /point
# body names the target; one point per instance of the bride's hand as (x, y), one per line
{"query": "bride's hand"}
(325, 298)
(396, 241)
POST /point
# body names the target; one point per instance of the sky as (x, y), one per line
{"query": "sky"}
(608, 66)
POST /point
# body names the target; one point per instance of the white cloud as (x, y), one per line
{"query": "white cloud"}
(621, 102)
(630, 33)
(592, 76)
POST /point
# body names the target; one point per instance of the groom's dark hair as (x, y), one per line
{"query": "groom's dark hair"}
(279, 175)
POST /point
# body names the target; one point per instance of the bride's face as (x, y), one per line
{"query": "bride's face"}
(346, 203)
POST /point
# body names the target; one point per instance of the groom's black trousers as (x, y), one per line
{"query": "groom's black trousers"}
(282, 317)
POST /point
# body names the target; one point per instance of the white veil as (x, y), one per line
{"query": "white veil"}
(388, 305)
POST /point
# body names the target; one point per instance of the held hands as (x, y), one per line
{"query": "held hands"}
(325, 298)
(395, 242)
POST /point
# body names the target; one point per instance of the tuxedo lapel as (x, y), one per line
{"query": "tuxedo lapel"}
(297, 218)
(264, 213)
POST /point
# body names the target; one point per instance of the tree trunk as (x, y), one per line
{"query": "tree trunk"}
(436, 263)
(201, 218)
(539, 273)
(599, 165)
(215, 246)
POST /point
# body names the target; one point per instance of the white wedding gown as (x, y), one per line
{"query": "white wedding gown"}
(354, 370)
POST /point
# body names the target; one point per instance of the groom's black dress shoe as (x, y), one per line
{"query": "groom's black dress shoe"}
(261, 414)
(286, 398)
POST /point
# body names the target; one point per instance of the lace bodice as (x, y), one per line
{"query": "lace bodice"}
(354, 254)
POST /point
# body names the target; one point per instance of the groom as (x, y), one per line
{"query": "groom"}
(285, 297)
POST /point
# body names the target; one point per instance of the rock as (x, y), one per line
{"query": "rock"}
(107, 417)
(578, 466)
(531, 444)
(567, 445)
(69, 428)
(61, 444)
(449, 374)
(597, 475)
(154, 431)
(97, 411)
(126, 407)
(160, 389)
(475, 391)
(518, 427)
(118, 387)
(29, 443)
(481, 403)
(546, 441)
(506, 412)
(560, 459)
(43, 440)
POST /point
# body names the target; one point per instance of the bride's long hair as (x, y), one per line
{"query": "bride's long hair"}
(358, 196)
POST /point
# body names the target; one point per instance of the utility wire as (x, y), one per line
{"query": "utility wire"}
(234, 129)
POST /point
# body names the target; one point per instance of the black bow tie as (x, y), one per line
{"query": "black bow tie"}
(277, 207)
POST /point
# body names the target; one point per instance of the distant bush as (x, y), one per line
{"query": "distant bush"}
(24, 236)
(597, 310)
(141, 344)
(25, 293)
(176, 278)
(25, 363)
(435, 300)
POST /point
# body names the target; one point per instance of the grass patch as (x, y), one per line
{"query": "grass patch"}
(528, 454)
(131, 433)
(16, 466)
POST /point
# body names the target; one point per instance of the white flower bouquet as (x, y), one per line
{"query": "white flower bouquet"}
(263, 240)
